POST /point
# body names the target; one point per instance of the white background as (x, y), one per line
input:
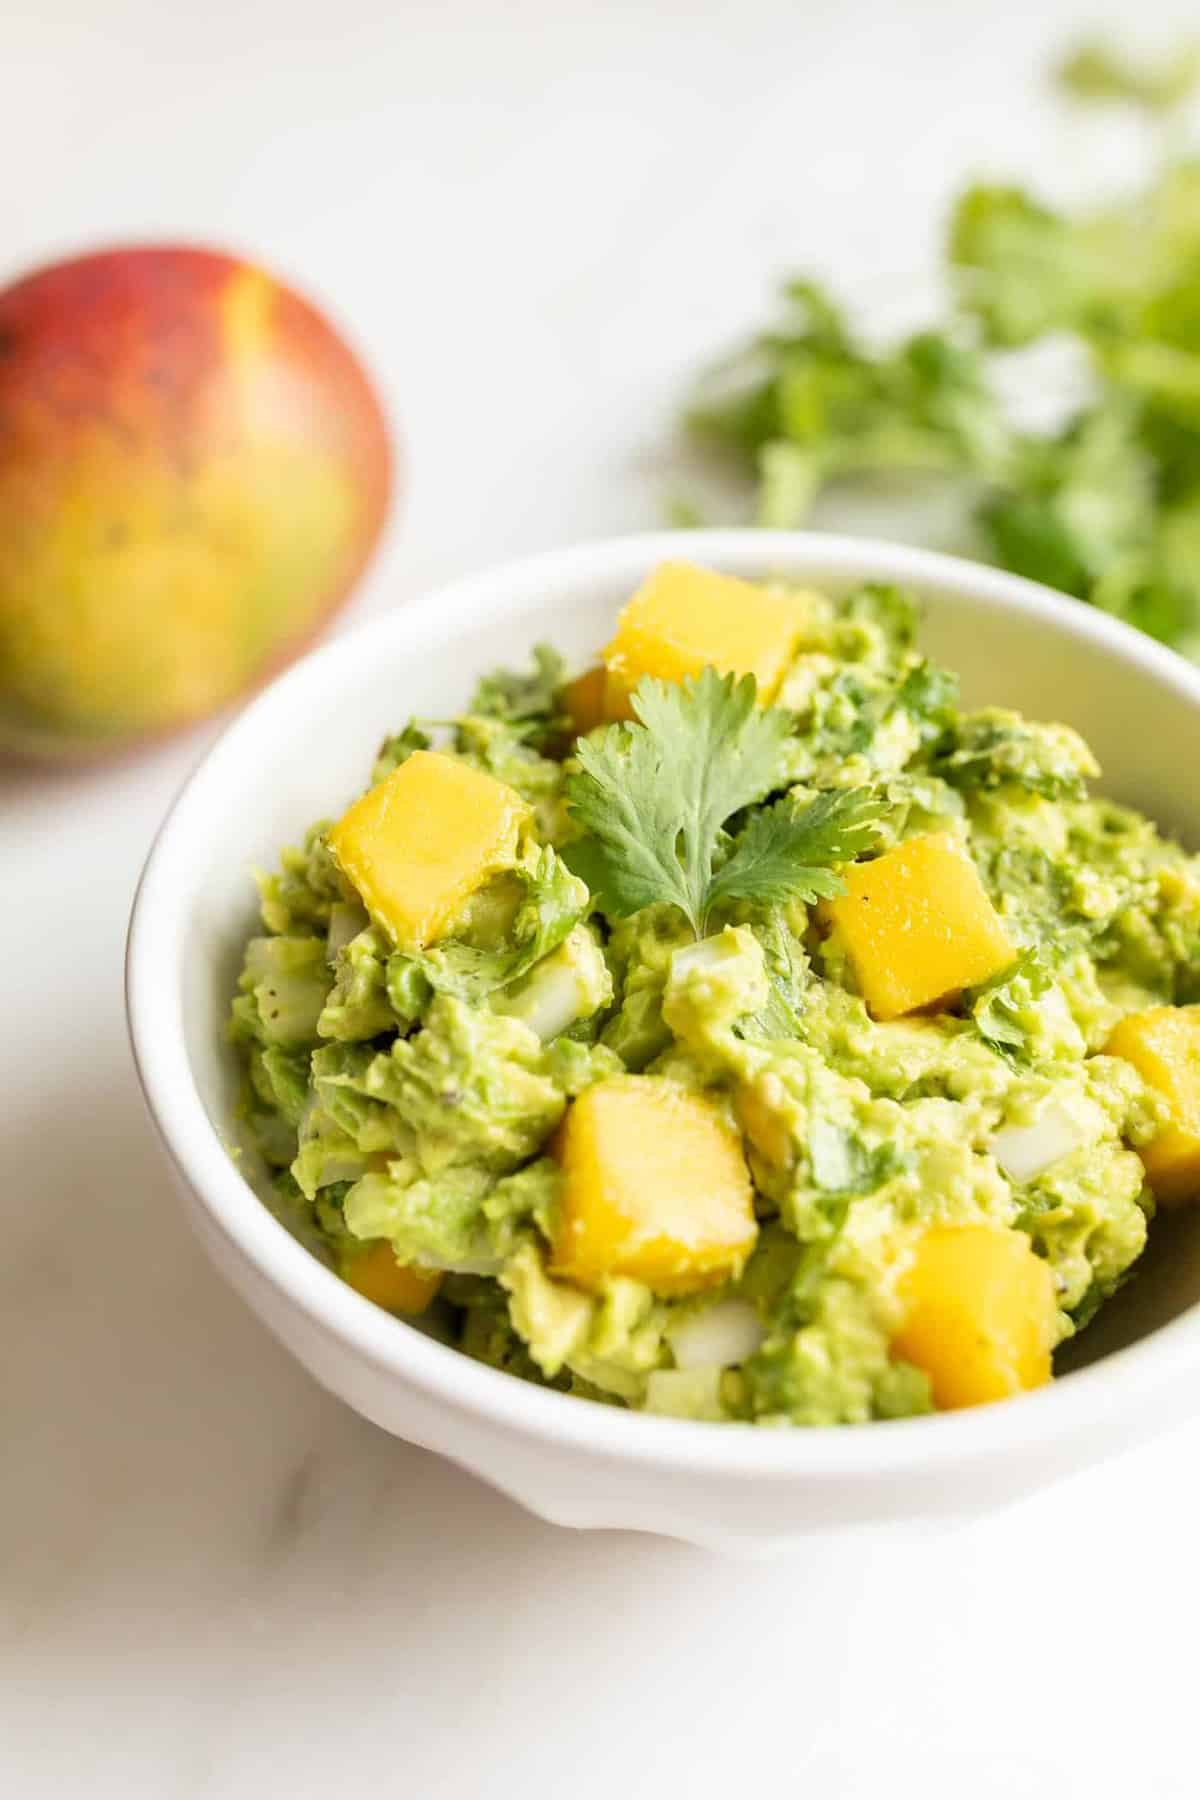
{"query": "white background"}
(214, 1581)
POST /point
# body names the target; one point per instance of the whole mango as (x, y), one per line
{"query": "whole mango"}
(194, 470)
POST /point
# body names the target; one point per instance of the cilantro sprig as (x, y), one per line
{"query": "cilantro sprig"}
(1100, 496)
(790, 852)
(653, 798)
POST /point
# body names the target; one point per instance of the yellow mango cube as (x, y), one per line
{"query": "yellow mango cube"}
(655, 1187)
(1179, 887)
(980, 1316)
(397, 1287)
(583, 700)
(918, 927)
(418, 844)
(1163, 1045)
(683, 619)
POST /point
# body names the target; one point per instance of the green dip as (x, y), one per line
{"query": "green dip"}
(413, 1097)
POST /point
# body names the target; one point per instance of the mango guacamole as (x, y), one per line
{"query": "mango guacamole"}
(737, 1030)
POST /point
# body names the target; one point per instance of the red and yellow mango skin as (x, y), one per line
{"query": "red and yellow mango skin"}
(194, 471)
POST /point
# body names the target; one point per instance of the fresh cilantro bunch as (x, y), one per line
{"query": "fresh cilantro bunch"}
(653, 799)
(1106, 506)
(806, 402)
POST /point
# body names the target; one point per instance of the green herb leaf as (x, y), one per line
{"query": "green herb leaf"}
(790, 477)
(529, 702)
(1000, 1008)
(842, 1164)
(993, 749)
(929, 696)
(789, 851)
(398, 748)
(1023, 268)
(807, 402)
(552, 905)
(788, 974)
(653, 796)
(1097, 71)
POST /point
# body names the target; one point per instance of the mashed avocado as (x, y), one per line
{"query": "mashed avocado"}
(836, 1090)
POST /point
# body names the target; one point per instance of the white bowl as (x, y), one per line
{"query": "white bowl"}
(302, 750)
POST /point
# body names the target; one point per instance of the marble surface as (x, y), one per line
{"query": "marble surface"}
(214, 1580)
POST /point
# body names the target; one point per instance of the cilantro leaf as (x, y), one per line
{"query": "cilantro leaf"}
(788, 851)
(842, 1165)
(788, 974)
(807, 402)
(1077, 504)
(1000, 1008)
(552, 904)
(1097, 71)
(789, 479)
(929, 695)
(398, 748)
(652, 796)
(529, 702)
(1023, 268)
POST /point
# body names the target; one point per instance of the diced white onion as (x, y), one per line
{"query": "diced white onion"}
(569, 984)
(706, 953)
(1024, 1151)
(723, 1334)
(552, 1001)
(685, 1394)
(345, 923)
